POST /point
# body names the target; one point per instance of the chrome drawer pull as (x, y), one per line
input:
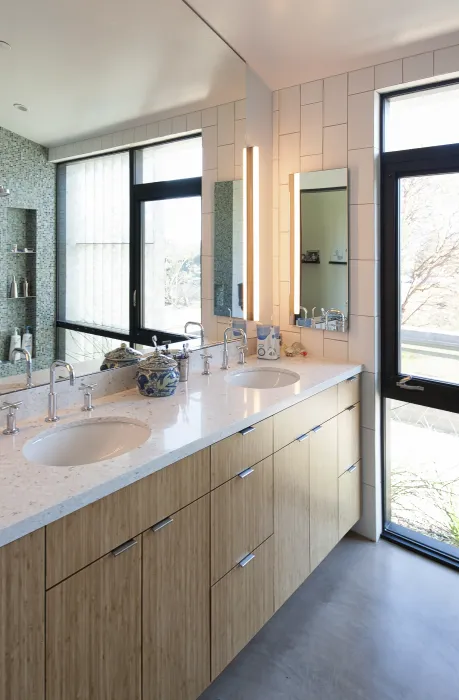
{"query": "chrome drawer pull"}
(161, 524)
(352, 469)
(302, 437)
(316, 429)
(246, 560)
(351, 408)
(124, 547)
(246, 472)
(352, 379)
(248, 430)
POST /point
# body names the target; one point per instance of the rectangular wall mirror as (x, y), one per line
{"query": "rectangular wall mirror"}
(319, 287)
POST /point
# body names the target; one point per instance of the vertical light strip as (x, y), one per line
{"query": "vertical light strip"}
(256, 232)
(295, 245)
(244, 232)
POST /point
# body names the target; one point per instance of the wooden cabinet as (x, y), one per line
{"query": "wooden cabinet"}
(241, 603)
(241, 516)
(240, 451)
(291, 519)
(176, 605)
(93, 630)
(348, 392)
(301, 418)
(350, 498)
(22, 618)
(348, 437)
(324, 491)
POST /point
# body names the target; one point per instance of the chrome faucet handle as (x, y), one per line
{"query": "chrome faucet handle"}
(11, 428)
(242, 349)
(87, 397)
(206, 357)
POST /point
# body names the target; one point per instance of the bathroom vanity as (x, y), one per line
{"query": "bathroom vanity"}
(151, 590)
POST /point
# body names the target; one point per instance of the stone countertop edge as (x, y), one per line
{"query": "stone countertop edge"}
(22, 525)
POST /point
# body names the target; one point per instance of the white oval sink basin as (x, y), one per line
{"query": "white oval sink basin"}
(86, 442)
(262, 378)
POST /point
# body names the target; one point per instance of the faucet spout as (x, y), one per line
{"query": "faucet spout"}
(52, 396)
(235, 332)
(195, 323)
(28, 359)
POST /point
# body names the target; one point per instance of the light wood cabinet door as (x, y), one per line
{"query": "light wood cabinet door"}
(348, 437)
(240, 451)
(176, 605)
(22, 618)
(241, 603)
(242, 516)
(350, 498)
(299, 419)
(324, 491)
(93, 631)
(291, 519)
(348, 392)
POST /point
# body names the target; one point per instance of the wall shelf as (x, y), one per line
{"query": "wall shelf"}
(31, 296)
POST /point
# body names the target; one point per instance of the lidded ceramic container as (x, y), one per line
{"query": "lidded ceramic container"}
(121, 357)
(157, 375)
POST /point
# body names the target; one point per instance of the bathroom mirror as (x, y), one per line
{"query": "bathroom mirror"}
(319, 294)
(228, 249)
(128, 212)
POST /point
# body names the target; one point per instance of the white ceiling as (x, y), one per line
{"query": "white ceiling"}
(87, 67)
(291, 41)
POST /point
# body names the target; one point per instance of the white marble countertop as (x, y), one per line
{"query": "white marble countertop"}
(203, 411)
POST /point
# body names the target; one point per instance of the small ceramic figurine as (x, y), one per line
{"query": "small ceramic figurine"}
(121, 357)
(157, 375)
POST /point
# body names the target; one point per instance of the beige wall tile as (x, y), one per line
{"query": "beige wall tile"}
(140, 132)
(312, 92)
(165, 127)
(209, 321)
(363, 287)
(361, 80)
(388, 74)
(313, 341)
(418, 67)
(207, 234)
(275, 100)
(361, 163)
(362, 226)
(226, 162)
(225, 124)
(311, 129)
(209, 148)
(361, 115)
(309, 164)
(290, 337)
(276, 232)
(239, 109)
(276, 299)
(209, 116)
(152, 130)
(193, 121)
(284, 257)
(107, 140)
(276, 316)
(209, 177)
(335, 350)
(369, 475)
(207, 272)
(289, 156)
(289, 110)
(367, 395)
(284, 208)
(275, 184)
(362, 341)
(369, 525)
(446, 60)
(335, 147)
(238, 172)
(239, 140)
(179, 124)
(335, 335)
(276, 135)
(335, 100)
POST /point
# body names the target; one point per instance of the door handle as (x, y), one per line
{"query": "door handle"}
(403, 384)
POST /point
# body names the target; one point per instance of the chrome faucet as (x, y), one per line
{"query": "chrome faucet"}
(195, 323)
(303, 308)
(28, 359)
(335, 312)
(52, 396)
(238, 332)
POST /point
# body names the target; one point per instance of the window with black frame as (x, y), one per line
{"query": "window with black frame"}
(129, 243)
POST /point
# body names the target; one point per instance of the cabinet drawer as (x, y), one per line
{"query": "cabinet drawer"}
(348, 392)
(242, 516)
(299, 419)
(242, 450)
(350, 496)
(348, 437)
(80, 538)
(241, 603)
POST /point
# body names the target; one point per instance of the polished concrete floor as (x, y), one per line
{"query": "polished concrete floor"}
(373, 622)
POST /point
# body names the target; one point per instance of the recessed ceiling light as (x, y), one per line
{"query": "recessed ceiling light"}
(4, 45)
(21, 108)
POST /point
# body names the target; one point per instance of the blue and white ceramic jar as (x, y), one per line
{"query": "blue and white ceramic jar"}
(124, 356)
(157, 375)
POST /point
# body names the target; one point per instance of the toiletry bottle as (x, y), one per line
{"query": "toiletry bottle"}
(14, 288)
(15, 342)
(25, 287)
(27, 340)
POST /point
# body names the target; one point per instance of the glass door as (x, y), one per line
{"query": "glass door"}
(420, 347)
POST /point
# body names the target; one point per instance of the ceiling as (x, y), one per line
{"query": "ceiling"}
(93, 66)
(291, 41)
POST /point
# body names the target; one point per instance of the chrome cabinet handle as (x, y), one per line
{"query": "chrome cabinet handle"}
(403, 384)
(352, 469)
(248, 430)
(246, 560)
(124, 547)
(161, 524)
(246, 472)
(302, 437)
(352, 379)
(316, 429)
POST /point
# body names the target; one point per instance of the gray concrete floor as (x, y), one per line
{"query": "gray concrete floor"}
(373, 621)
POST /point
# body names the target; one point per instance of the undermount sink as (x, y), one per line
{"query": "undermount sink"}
(262, 378)
(85, 442)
